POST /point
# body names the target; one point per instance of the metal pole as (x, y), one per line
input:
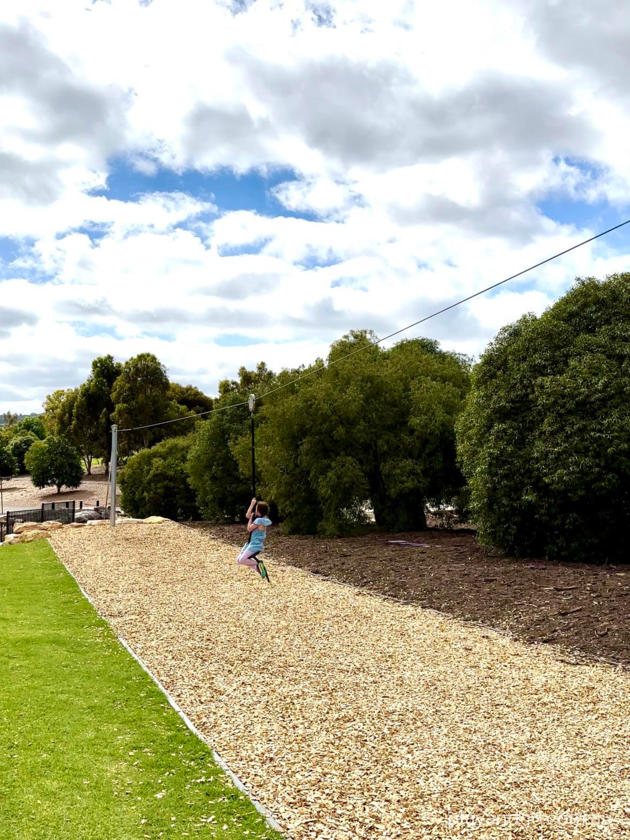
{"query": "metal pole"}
(252, 402)
(112, 475)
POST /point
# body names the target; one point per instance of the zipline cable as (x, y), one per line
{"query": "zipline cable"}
(391, 335)
(445, 309)
(189, 417)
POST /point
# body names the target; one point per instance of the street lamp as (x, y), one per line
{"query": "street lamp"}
(251, 403)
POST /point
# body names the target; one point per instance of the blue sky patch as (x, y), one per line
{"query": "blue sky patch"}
(317, 261)
(87, 329)
(249, 248)
(236, 340)
(229, 191)
(10, 249)
(596, 216)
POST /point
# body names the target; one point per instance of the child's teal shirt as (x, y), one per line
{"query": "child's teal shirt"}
(257, 538)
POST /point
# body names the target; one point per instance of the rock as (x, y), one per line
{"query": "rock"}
(87, 516)
(31, 536)
(127, 520)
(98, 522)
(10, 539)
(51, 526)
(155, 520)
(27, 526)
(76, 525)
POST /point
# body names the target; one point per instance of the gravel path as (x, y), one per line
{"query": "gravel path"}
(19, 492)
(350, 716)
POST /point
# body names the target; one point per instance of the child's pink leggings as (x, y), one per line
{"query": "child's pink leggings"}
(245, 558)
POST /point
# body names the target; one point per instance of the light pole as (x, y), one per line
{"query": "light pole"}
(113, 463)
(252, 402)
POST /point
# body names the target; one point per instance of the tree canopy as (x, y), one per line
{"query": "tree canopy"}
(54, 462)
(375, 430)
(8, 462)
(545, 437)
(19, 445)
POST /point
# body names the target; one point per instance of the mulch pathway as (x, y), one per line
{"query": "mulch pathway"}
(583, 610)
(358, 717)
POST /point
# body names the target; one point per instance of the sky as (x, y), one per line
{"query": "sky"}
(222, 183)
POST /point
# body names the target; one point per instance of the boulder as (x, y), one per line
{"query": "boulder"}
(53, 525)
(155, 520)
(87, 515)
(31, 536)
(76, 525)
(10, 539)
(26, 526)
(98, 522)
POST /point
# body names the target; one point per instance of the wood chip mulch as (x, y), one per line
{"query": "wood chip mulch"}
(351, 716)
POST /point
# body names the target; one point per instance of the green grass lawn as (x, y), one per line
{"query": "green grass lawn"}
(89, 747)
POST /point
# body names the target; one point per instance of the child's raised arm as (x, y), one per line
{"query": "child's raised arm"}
(250, 509)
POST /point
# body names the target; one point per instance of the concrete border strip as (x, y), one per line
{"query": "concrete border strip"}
(262, 810)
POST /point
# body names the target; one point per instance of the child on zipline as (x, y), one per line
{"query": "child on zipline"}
(257, 532)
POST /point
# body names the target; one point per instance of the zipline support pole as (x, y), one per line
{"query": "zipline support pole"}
(113, 462)
(252, 402)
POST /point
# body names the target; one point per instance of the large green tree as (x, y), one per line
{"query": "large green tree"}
(545, 437)
(54, 462)
(375, 430)
(190, 398)
(59, 411)
(141, 398)
(90, 430)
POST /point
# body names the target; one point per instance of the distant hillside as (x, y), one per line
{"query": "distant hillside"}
(8, 417)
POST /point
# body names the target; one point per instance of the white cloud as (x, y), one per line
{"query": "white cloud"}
(423, 138)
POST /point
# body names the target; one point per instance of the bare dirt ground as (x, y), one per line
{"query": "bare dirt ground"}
(357, 717)
(582, 610)
(20, 492)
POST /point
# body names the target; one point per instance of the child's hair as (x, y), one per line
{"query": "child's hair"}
(262, 508)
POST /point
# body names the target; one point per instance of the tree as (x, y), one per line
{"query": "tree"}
(190, 398)
(91, 422)
(59, 411)
(219, 471)
(30, 424)
(155, 481)
(141, 398)
(54, 462)
(222, 490)
(8, 463)
(545, 437)
(19, 445)
(65, 415)
(373, 430)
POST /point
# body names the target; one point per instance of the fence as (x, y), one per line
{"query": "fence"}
(60, 511)
(64, 512)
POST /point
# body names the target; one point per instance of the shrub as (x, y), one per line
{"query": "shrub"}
(545, 436)
(155, 482)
